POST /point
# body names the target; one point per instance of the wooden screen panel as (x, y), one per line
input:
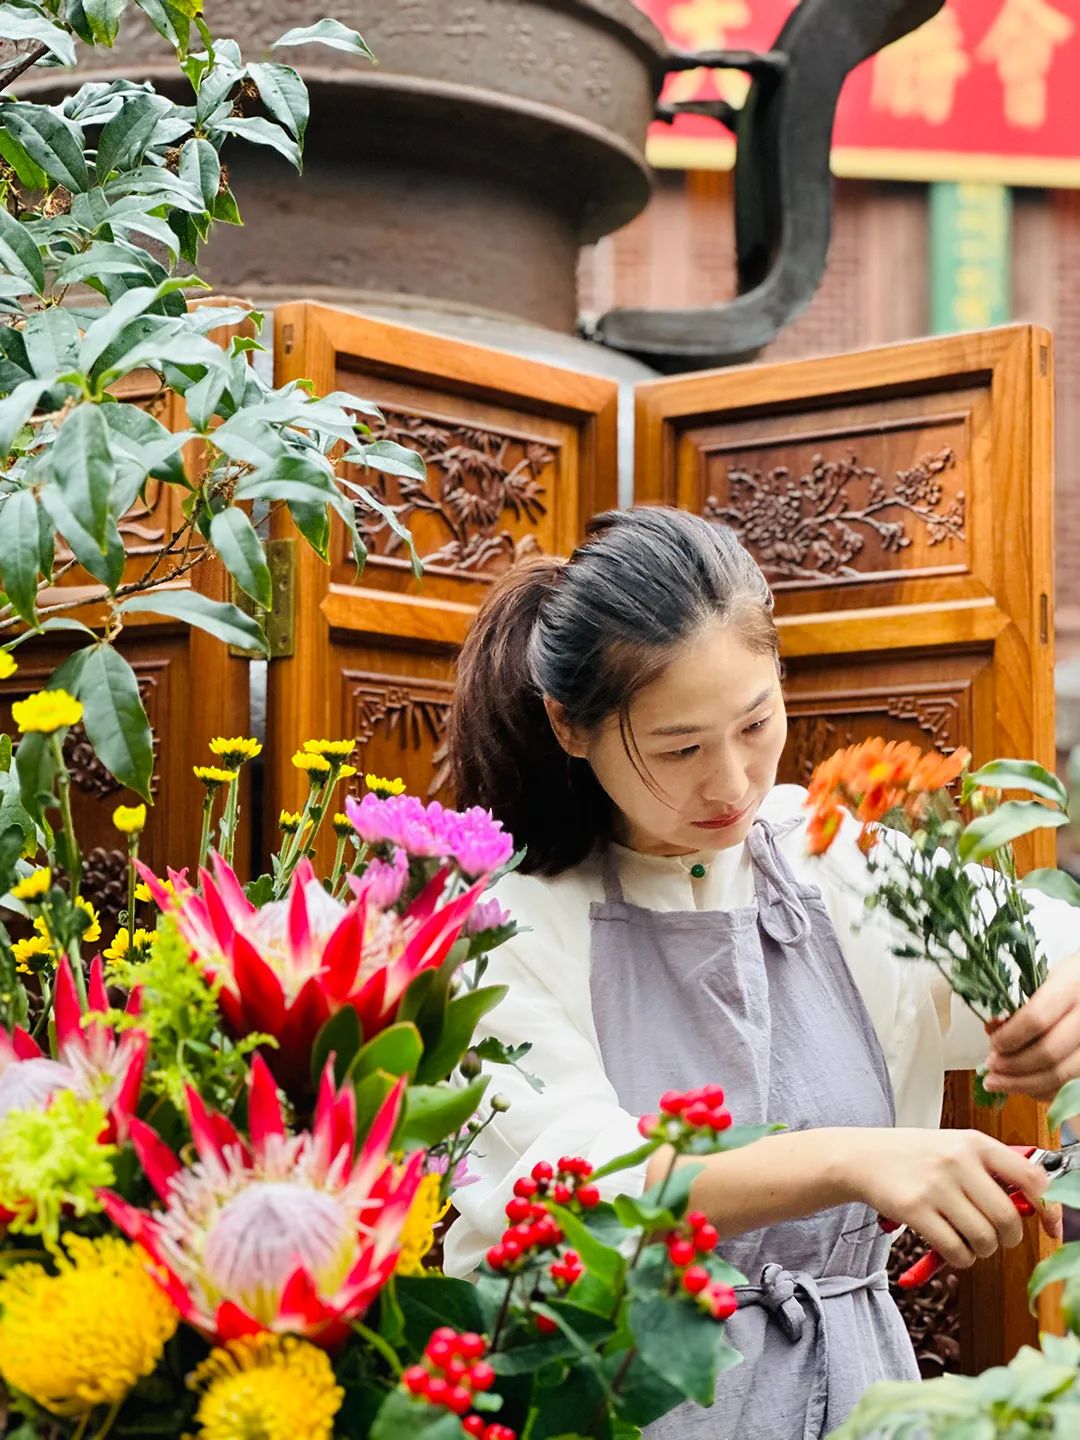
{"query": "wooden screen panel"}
(900, 503)
(519, 456)
(191, 686)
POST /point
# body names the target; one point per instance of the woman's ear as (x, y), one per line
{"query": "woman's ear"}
(566, 734)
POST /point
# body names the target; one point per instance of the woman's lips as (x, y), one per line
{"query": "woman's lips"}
(721, 822)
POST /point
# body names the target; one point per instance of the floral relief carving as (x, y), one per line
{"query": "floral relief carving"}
(931, 1313)
(409, 713)
(105, 882)
(477, 479)
(816, 734)
(816, 525)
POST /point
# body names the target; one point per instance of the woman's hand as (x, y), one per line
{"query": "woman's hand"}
(948, 1185)
(1038, 1049)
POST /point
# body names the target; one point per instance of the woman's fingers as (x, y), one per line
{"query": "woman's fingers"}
(942, 1237)
(996, 1208)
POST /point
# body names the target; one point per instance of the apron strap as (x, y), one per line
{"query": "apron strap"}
(613, 891)
(782, 913)
(786, 1296)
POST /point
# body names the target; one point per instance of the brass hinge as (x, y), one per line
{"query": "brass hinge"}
(279, 622)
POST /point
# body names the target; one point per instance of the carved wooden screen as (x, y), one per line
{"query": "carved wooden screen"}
(519, 454)
(191, 686)
(899, 502)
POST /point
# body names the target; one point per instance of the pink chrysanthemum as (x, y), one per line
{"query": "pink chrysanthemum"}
(471, 838)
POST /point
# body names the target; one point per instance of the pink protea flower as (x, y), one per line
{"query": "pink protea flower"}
(286, 968)
(294, 1234)
(90, 1059)
(471, 838)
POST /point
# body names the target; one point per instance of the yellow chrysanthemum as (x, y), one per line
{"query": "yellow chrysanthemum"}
(8, 665)
(84, 1336)
(129, 819)
(384, 787)
(142, 890)
(346, 772)
(343, 826)
(235, 751)
(45, 712)
(289, 820)
(317, 766)
(267, 1387)
(33, 955)
(340, 749)
(212, 776)
(124, 947)
(34, 885)
(418, 1232)
(91, 928)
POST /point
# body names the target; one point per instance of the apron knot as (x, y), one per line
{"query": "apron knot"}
(782, 913)
(777, 1296)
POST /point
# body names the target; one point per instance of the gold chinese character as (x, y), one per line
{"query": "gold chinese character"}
(916, 78)
(705, 25)
(1021, 43)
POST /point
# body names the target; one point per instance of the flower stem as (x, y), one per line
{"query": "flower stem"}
(339, 864)
(70, 847)
(110, 1421)
(133, 855)
(230, 819)
(207, 820)
(504, 1310)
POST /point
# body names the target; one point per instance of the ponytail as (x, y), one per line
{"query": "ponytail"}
(503, 752)
(589, 632)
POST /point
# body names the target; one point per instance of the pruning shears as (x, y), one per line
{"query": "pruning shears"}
(1054, 1162)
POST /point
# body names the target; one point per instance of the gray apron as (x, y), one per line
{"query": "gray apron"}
(760, 1001)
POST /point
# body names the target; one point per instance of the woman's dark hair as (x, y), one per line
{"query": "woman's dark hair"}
(590, 632)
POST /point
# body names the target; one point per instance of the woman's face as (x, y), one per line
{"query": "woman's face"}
(707, 735)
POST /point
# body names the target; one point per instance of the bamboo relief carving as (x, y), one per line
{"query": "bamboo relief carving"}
(817, 525)
(478, 482)
(409, 714)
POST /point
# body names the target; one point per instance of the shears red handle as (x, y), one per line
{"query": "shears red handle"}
(927, 1266)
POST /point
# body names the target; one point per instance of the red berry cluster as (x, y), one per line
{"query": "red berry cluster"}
(698, 1238)
(567, 1270)
(452, 1372)
(532, 1227)
(685, 1111)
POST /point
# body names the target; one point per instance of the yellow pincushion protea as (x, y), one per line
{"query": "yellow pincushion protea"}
(46, 712)
(84, 1336)
(418, 1232)
(271, 1386)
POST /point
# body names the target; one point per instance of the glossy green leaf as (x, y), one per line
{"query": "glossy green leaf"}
(103, 17)
(394, 1051)
(429, 1301)
(30, 174)
(83, 468)
(16, 25)
(685, 1347)
(19, 552)
(200, 167)
(19, 254)
(1066, 1104)
(313, 522)
(284, 94)
(988, 833)
(51, 141)
(262, 132)
(172, 19)
(35, 766)
(340, 1037)
(106, 565)
(124, 139)
(115, 720)
(233, 537)
(16, 409)
(432, 1112)
(217, 617)
(1018, 775)
(1063, 1264)
(1057, 883)
(52, 342)
(327, 32)
(294, 478)
(463, 1014)
(402, 1417)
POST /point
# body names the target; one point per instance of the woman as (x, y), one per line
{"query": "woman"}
(621, 713)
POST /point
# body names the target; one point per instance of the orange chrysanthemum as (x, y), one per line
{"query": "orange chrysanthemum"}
(872, 779)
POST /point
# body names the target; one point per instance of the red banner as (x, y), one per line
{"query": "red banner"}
(986, 90)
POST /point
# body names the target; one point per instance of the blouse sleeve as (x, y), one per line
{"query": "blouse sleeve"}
(576, 1112)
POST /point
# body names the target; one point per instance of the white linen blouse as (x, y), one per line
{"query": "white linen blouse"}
(923, 1028)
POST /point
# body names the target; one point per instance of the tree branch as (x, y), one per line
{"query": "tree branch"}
(30, 57)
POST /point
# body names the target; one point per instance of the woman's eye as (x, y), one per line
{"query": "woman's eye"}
(757, 726)
(682, 754)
